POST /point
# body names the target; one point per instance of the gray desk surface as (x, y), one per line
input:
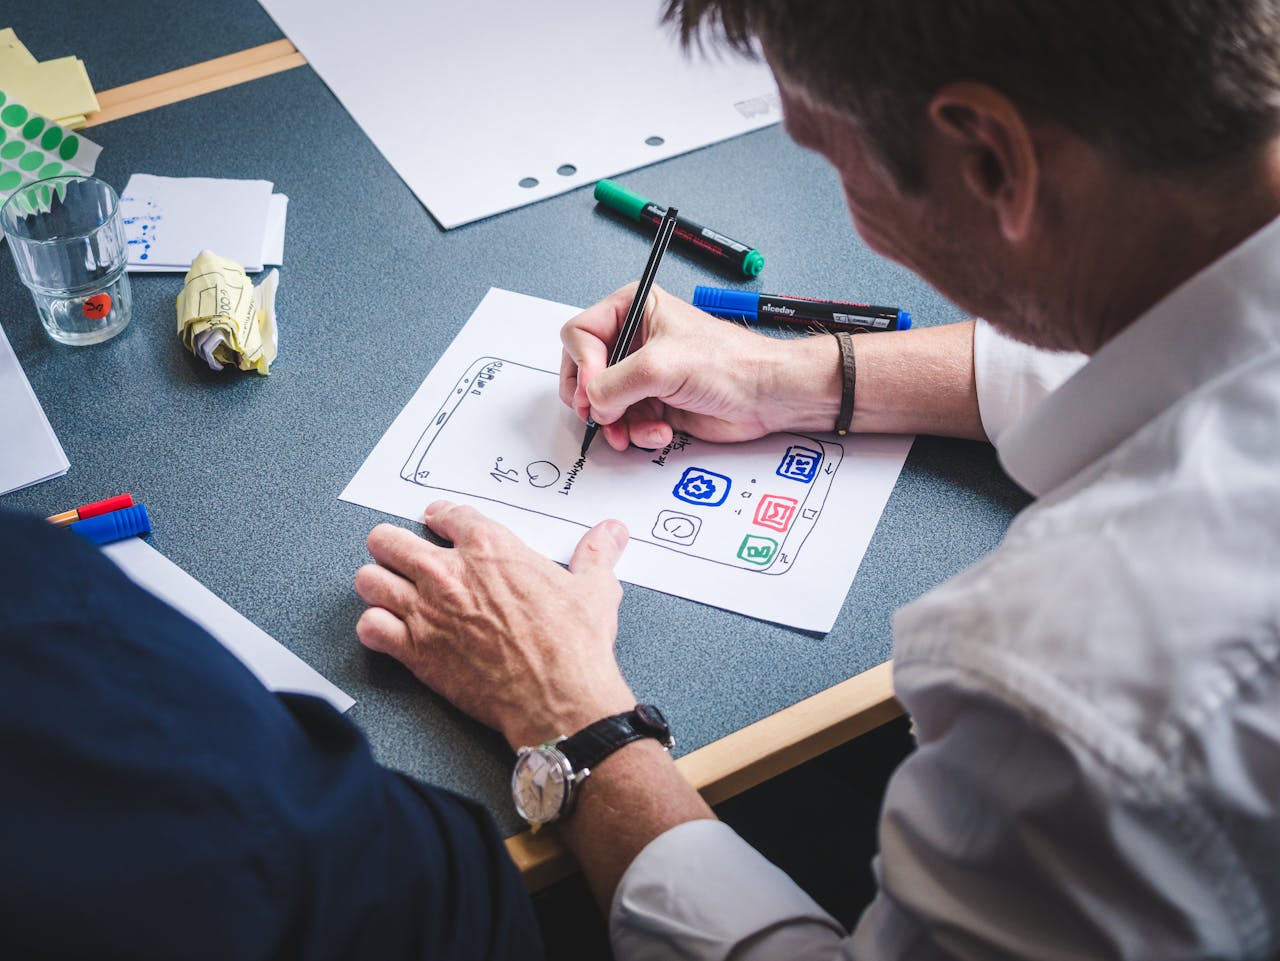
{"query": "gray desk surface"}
(242, 472)
(121, 41)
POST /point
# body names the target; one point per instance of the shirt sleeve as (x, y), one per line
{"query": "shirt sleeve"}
(700, 892)
(1013, 377)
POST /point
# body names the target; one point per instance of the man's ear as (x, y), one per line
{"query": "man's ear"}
(998, 160)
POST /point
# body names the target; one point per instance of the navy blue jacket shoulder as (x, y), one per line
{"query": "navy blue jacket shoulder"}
(157, 802)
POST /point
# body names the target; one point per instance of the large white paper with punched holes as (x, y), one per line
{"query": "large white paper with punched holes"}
(468, 99)
(774, 528)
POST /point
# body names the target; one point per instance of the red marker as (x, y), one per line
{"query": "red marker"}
(93, 510)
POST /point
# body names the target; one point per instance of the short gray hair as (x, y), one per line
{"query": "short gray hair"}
(1164, 85)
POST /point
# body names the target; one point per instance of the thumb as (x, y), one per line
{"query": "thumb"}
(599, 549)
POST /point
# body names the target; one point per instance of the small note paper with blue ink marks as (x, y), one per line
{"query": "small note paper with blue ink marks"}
(169, 220)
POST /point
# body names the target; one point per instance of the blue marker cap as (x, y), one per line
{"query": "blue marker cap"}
(733, 304)
(904, 320)
(115, 526)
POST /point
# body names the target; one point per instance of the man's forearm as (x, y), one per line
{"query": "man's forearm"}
(633, 796)
(908, 382)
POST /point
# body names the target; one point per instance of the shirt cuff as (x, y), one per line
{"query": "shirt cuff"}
(699, 891)
(1012, 377)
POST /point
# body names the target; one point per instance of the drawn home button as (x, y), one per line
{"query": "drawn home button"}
(677, 528)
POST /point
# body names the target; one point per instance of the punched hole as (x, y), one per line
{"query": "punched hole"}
(528, 182)
(566, 170)
(654, 141)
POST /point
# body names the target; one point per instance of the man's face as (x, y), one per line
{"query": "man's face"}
(941, 233)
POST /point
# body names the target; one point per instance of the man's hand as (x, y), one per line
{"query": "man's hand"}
(692, 372)
(508, 636)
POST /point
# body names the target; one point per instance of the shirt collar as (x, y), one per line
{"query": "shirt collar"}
(1223, 317)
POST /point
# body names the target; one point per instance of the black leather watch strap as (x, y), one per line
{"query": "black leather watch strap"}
(597, 741)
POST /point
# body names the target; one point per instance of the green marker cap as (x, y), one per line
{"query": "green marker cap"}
(624, 201)
(753, 263)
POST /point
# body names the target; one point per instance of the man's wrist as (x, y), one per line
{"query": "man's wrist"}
(802, 385)
(565, 720)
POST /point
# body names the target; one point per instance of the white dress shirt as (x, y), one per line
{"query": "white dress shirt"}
(1096, 702)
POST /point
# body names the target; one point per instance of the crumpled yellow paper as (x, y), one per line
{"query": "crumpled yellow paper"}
(223, 319)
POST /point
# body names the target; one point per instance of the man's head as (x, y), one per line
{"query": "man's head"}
(989, 143)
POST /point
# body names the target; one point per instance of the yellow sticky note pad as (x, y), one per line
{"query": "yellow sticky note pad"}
(223, 319)
(54, 88)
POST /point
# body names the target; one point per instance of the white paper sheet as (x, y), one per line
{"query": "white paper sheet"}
(29, 449)
(467, 100)
(278, 668)
(774, 528)
(169, 220)
(273, 239)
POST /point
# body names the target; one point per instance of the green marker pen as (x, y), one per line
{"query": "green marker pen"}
(723, 250)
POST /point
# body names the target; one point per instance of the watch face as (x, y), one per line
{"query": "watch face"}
(540, 784)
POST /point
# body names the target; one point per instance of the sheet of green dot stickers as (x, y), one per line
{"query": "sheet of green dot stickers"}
(33, 147)
(774, 528)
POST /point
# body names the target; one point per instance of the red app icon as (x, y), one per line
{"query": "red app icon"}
(776, 512)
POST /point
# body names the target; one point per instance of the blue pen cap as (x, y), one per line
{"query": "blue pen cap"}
(904, 320)
(732, 304)
(116, 526)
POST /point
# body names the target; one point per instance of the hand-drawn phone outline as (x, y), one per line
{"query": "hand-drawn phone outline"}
(484, 369)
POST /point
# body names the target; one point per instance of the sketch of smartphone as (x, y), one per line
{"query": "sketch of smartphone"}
(503, 435)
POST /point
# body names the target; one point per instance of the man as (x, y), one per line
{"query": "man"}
(159, 802)
(1097, 703)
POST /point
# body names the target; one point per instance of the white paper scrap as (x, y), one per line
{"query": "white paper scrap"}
(29, 449)
(278, 668)
(773, 528)
(489, 105)
(169, 220)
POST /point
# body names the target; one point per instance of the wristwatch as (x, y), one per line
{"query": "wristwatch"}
(547, 777)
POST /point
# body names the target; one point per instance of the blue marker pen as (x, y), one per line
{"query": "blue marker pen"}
(116, 526)
(828, 314)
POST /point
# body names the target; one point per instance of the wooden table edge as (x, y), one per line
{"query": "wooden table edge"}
(747, 757)
(195, 80)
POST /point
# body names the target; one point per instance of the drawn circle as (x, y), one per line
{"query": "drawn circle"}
(15, 115)
(678, 526)
(33, 128)
(52, 137)
(542, 473)
(97, 306)
(654, 141)
(12, 149)
(69, 147)
(50, 170)
(528, 182)
(10, 179)
(566, 170)
(31, 160)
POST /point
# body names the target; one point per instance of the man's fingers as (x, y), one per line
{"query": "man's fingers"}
(402, 551)
(599, 550)
(643, 376)
(380, 630)
(459, 523)
(379, 587)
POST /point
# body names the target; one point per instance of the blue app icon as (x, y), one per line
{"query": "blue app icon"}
(800, 464)
(699, 486)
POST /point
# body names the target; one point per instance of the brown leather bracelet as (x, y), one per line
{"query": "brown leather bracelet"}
(848, 378)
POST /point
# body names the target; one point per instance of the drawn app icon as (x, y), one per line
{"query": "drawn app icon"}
(698, 486)
(677, 528)
(800, 464)
(757, 550)
(776, 512)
